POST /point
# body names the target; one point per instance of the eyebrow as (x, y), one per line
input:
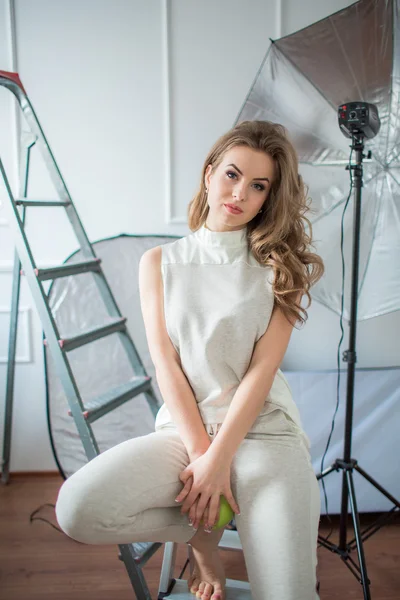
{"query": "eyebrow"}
(259, 178)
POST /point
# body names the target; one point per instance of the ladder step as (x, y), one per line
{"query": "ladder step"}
(234, 589)
(94, 409)
(69, 269)
(92, 335)
(24, 202)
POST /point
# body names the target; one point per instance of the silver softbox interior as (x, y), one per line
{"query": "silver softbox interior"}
(100, 365)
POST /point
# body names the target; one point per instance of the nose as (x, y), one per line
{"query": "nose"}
(239, 191)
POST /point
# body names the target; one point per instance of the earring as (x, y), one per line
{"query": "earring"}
(260, 211)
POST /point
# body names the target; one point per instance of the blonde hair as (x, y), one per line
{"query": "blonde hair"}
(277, 236)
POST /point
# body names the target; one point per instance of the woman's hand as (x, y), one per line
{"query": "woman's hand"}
(205, 480)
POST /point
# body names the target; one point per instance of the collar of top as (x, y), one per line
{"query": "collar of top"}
(222, 239)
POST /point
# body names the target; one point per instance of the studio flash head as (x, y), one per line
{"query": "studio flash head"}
(358, 118)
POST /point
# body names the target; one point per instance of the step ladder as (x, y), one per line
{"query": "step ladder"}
(134, 555)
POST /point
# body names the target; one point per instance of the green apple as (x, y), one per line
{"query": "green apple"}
(226, 514)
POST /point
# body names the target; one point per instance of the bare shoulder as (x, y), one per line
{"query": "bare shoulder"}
(151, 257)
(150, 280)
(150, 269)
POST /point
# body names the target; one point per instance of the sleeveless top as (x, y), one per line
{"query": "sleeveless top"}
(218, 300)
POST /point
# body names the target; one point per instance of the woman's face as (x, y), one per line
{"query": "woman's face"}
(242, 179)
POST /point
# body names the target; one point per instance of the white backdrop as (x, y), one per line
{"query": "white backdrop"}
(131, 95)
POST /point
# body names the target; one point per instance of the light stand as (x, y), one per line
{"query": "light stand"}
(348, 464)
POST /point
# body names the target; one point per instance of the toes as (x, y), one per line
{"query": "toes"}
(200, 591)
(217, 595)
(194, 585)
(207, 592)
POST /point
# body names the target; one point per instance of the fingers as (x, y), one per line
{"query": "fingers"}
(201, 507)
(190, 506)
(190, 499)
(185, 474)
(185, 491)
(213, 511)
(192, 514)
(233, 504)
(205, 520)
(199, 514)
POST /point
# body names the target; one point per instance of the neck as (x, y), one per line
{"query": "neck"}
(223, 230)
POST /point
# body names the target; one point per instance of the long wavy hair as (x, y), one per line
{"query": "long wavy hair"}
(277, 236)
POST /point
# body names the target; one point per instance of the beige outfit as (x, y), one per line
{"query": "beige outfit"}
(218, 303)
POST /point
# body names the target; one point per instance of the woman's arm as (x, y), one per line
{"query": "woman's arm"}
(174, 386)
(255, 386)
(211, 472)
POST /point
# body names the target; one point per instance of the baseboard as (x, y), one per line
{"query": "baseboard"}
(17, 474)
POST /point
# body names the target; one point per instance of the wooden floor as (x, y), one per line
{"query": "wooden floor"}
(37, 562)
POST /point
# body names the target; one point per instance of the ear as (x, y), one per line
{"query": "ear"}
(207, 174)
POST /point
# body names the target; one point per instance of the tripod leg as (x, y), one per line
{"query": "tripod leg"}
(360, 550)
(377, 486)
(343, 514)
(326, 471)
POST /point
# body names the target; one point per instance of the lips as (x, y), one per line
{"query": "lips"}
(236, 208)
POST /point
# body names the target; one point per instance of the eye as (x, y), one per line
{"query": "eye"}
(260, 188)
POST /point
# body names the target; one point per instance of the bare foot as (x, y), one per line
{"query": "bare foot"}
(207, 579)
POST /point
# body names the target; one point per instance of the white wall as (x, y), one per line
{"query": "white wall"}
(112, 102)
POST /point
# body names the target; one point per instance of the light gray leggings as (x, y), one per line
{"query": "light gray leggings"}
(126, 494)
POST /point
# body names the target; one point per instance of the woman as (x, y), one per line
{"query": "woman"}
(219, 306)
